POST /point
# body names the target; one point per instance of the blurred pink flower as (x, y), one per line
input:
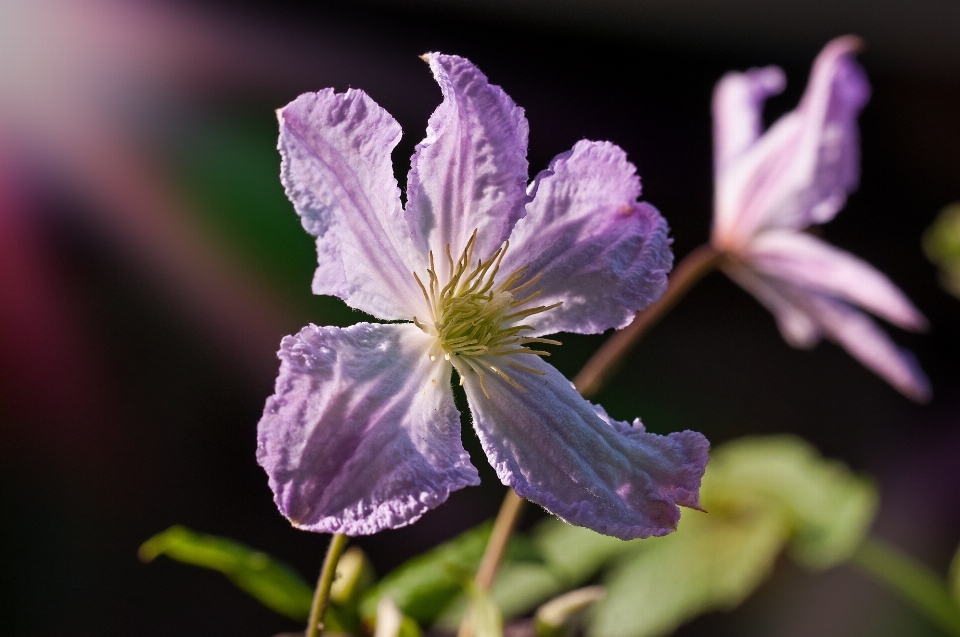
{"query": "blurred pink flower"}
(772, 185)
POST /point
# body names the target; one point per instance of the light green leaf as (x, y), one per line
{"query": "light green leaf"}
(574, 553)
(425, 585)
(570, 555)
(483, 614)
(713, 561)
(392, 623)
(827, 507)
(941, 243)
(556, 617)
(273, 583)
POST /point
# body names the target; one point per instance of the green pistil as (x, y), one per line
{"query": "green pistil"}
(472, 319)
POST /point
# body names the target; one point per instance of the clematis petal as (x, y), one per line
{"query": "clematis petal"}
(796, 325)
(801, 170)
(864, 340)
(470, 172)
(738, 110)
(362, 433)
(556, 449)
(338, 174)
(594, 247)
(812, 264)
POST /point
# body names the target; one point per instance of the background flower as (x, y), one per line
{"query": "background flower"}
(770, 186)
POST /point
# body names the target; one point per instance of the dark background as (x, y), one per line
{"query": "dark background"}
(149, 265)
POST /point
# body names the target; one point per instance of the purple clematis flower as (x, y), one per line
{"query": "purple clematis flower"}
(362, 433)
(771, 186)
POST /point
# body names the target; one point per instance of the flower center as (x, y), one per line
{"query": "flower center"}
(477, 322)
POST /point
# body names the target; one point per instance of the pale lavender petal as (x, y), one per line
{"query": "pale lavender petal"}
(801, 170)
(814, 265)
(338, 174)
(556, 449)
(738, 110)
(796, 324)
(865, 341)
(594, 247)
(362, 433)
(470, 172)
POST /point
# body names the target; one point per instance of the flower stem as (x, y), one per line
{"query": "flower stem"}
(916, 583)
(497, 544)
(591, 378)
(606, 359)
(322, 594)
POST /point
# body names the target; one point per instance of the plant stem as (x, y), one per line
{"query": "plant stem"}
(591, 378)
(606, 359)
(497, 544)
(914, 581)
(322, 594)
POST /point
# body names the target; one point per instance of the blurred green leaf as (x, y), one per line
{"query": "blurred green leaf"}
(423, 586)
(569, 556)
(713, 561)
(914, 581)
(273, 583)
(354, 577)
(483, 614)
(762, 494)
(828, 508)
(556, 617)
(941, 243)
(390, 622)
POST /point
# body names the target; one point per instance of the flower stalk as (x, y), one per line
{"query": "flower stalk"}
(321, 596)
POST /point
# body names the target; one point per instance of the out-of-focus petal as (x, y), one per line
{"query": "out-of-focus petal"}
(595, 248)
(338, 174)
(470, 172)
(362, 433)
(801, 170)
(812, 264)
(738, 110)
(796, 325)
(556, 449)
(864, 340)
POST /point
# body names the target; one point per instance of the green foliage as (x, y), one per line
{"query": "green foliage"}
(273, 583)
(913, 580)
(425, 585)
(762, 494)
(713, 561)
(556, 617)
(941, 243)
(826, 508)
(483, 613)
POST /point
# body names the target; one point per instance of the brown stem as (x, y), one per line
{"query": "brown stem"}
(497, 544)
(606, 359)
(321, 595)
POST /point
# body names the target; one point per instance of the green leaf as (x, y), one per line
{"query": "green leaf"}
(913, 580)
(941, 243)
(569, 556)
(556, 617)
(827, 507)
(273, 583)
(483, 614)
(423, 586)
(762, 494)
(713, 561)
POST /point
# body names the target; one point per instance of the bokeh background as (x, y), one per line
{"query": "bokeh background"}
(150, 264)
